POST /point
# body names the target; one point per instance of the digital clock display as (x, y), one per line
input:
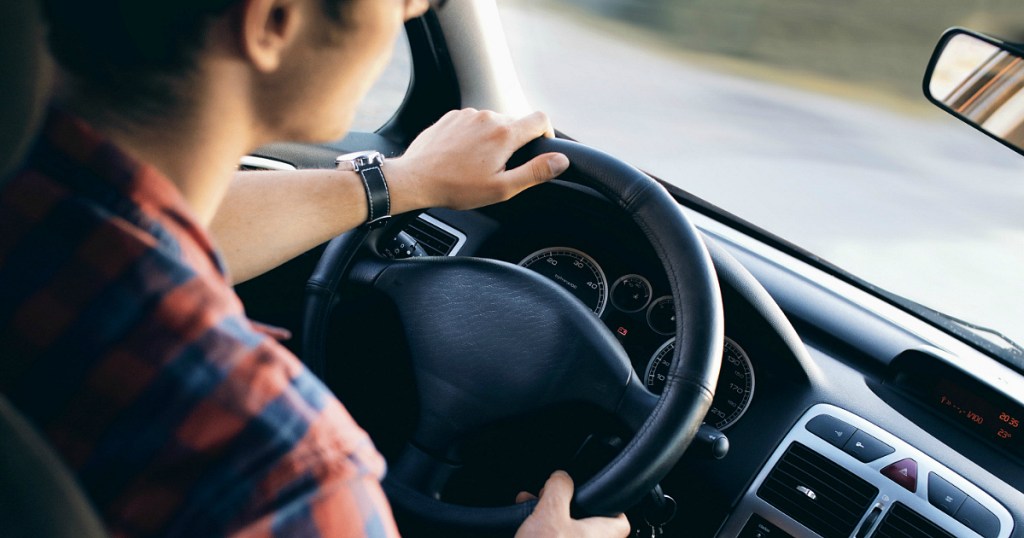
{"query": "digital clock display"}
(962, 399)
(995, 421)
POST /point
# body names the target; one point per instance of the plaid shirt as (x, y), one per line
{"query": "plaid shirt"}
(124, 344)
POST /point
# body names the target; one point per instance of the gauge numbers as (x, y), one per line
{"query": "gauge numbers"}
(735, 382)
(575, 271)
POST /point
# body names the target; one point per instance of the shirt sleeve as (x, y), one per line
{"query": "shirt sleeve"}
(340, 496)
(328, 484)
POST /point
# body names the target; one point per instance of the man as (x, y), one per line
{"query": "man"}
(129, 350)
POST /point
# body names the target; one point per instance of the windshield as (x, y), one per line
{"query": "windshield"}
(805, 118)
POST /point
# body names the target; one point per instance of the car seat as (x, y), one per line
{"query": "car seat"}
(38, 495)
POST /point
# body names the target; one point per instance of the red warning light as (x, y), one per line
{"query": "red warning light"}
(622, 331)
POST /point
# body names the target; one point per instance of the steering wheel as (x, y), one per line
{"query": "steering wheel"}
(490, 340)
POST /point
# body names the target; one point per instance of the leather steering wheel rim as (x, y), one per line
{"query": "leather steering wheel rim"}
(661, 439)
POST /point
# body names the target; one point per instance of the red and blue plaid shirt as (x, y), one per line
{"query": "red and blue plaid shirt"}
(123, 342)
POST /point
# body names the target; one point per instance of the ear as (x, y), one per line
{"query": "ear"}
(268, 28)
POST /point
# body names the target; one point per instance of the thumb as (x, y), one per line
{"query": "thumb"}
(537, 170)
(557, 493)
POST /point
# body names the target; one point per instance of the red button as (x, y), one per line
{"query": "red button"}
(904, 473)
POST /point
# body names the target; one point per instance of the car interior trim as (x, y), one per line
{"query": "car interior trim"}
(774, 268)
(253, 162)
(481, 58)
(460, 238)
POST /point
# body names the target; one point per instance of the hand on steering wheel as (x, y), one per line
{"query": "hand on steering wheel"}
(551, 517)
(460, 161)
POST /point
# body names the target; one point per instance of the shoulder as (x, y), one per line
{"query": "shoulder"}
(140, 366)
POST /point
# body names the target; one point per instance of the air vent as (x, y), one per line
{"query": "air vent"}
(252, 162)
(818, 493)
(437, 238)
(902, 522)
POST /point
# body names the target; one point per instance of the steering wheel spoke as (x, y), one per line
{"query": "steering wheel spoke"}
(420, 471)
(636, 406)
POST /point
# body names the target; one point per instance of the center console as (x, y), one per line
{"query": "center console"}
(837, 475)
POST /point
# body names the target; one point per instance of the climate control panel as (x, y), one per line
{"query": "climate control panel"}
(837, 475)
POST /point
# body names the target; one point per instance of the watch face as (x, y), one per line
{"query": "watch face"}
(359, 160)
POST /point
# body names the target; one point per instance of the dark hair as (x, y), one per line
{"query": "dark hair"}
(135, 52)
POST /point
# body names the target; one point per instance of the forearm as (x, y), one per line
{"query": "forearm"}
(267, 218)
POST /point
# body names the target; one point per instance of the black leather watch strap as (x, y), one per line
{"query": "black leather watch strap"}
(378, 199)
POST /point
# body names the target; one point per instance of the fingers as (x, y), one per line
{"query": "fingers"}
(605, 526)
(416, 8)
(551, 515)
(531, 126)
(557, 494)
(516, 132)
(460, 161)
(537, 170)
(542, 167)
(552, 518)
(524, 496)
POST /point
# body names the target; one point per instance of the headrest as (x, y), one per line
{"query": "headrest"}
(26, 79)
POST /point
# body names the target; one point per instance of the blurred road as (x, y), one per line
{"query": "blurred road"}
(919, 204)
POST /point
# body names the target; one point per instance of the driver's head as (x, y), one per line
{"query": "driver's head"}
(142, 61)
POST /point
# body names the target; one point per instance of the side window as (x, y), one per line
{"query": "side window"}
(388, 92)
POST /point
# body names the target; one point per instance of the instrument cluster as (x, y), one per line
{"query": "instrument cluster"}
(642, 316)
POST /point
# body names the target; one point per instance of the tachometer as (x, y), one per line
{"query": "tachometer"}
(575, 271)
(735, 383)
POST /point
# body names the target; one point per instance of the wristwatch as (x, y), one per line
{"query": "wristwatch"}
(378, 200)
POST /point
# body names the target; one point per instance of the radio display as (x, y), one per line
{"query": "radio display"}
(962, 399)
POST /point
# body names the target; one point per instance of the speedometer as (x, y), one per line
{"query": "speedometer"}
(735, 382)
(575, 271)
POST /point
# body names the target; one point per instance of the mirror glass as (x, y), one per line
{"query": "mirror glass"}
(980, 82)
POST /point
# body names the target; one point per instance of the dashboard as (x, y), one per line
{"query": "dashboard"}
(570, 239)
(787, 360)
(568, 234)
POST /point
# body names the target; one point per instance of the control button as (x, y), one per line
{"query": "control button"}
(943, 495)
(759, 527)
(866, 448)
(830, 429)
(978, 518)
(903, 472)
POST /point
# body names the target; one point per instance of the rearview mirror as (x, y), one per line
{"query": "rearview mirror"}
(979, 79)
